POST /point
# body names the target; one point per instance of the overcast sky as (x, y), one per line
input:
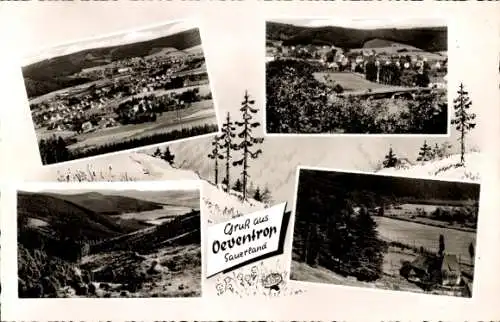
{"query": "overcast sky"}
(366, 23)
(121, 38)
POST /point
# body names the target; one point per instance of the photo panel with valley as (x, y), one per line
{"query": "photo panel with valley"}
(327, 76)
(108, 243)
(120, 92)
(385, 232)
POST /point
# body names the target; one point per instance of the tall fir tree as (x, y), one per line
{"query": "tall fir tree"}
(248, 141)
(216, 156)
(464, 119)
(441, 246)
(369, 247)
(227, 137)
(390, 160)
(425, 153)
(471, 251)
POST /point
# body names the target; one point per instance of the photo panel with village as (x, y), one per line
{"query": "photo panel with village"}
(95, 241)
(119, 92)
(385, 232)
(377, 76)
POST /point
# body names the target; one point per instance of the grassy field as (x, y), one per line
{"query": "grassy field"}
(306, 273)
(350, 81)
(410, 212)
(165, 123)
(415, 234)
(51, 95)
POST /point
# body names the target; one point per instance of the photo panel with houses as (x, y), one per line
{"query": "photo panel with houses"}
(118, 92)
(331, 76)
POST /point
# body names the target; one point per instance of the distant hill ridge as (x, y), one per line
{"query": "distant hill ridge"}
(52, 74)
(430, 39)
(83, 216)
(109, 204)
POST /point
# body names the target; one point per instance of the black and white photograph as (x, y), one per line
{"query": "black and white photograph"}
(76, 243)
(385, 232)
(238, 182)
(329, 76)
(120, 92)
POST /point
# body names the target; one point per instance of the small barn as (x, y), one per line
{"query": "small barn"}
(87, 126)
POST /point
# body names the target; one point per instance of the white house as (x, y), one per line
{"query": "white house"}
(87, 126)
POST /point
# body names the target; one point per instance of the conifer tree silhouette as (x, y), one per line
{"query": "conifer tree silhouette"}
(464, 120)
(227, 137)
(248, 140)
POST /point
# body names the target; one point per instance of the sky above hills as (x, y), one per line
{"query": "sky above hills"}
(121, 38)
(366, 23)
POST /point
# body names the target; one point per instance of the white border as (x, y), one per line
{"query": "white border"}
(477, 21)
(194, 23)
(446, 22)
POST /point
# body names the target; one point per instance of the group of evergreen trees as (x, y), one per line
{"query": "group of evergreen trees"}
(331, 234)
(297, 102)
(426, 153)
(225, 144)
(258, 194)
(392, 74)
(165, 155)
(463, 121)
(53, 150)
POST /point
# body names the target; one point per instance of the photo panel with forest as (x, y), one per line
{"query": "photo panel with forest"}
(385, 232)
(327, 76)
(108, 243)
(119, 92)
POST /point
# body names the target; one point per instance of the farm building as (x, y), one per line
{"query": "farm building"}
(87, 126)
(420, 269)
(450, 271)
(124, 70)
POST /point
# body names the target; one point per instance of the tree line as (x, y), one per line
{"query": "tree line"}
(55, 149)
(296, 102)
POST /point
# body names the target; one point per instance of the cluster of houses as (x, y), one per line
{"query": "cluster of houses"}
(356, 60)
(118, 80)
